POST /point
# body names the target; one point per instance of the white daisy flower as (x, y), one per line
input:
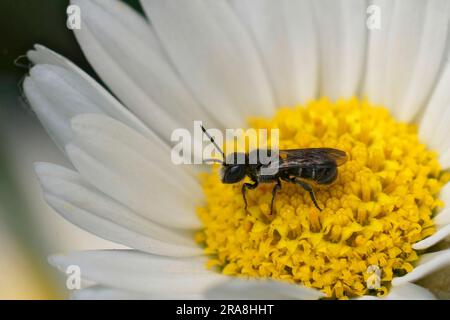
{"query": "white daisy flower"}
(222, 62)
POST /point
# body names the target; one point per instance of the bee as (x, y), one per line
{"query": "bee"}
(297, 166)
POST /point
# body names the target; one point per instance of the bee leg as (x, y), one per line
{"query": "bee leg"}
(246, 186)
(274, 192)
(308, 188)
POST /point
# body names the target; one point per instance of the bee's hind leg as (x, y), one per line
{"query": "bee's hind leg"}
(246, 186)
(308, 188)
(274, 193)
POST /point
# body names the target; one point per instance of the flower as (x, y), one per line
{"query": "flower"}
(220, 61)
(379, 207)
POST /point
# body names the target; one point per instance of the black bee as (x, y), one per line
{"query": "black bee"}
(295, 166)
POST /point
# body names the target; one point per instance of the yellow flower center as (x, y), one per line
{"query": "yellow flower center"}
(381, 203)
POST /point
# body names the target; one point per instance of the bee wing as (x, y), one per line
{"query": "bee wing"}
(310, 157)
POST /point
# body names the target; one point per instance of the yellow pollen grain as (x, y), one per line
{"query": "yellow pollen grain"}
(382, 202)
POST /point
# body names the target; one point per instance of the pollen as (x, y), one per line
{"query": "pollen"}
(381, 203)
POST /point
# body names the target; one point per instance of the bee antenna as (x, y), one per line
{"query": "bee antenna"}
(215, 144)
(213, 161)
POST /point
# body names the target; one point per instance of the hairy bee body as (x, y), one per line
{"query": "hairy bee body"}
(298, 166)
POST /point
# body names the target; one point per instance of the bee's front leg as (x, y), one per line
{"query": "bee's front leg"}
(246, 186)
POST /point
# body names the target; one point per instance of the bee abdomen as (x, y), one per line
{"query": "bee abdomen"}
(267, 178)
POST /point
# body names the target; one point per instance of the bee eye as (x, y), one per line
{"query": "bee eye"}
(235, 170)
(233, 174)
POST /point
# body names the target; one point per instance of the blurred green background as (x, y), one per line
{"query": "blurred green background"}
(29, 229)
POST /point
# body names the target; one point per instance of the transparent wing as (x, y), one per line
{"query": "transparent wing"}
(317, 157)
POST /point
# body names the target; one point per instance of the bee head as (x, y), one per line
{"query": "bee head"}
(234, 168)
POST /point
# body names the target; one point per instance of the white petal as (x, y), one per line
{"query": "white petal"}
(444, 159)
(342, 35)
(237, 289)
(106, 293)
(116, 233)
(84, 206)
(123, 50)
(406, 291)
(436, 113)
(119, 162)
(440, 234)
(401, 67)
(59, 90)
(89, 128)
(286, 37)
(160, 277)
(427, 64)
(440, 129)
(442, 221)
(376, 59)
(443, 217)
(427, 264)
(54, 120)
(214, 55)
(142, 273)
(50, 170)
